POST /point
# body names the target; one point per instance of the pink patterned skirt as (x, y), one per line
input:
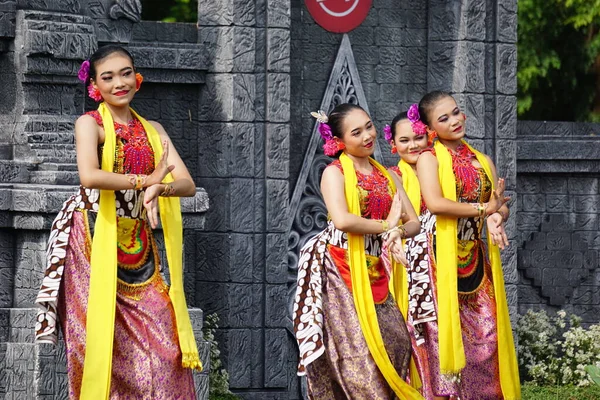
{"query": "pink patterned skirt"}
(146, 356)
(480, 379)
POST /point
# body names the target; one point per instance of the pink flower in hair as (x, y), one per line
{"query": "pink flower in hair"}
(325, 131)
(94, 93)
(419, 128)
(84, 71)
(388, 132)
(413, 113)
(330, 148)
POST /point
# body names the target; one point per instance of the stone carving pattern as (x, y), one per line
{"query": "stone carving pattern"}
(129, 9)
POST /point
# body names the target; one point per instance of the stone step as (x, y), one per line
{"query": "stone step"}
(54, 177)
(55, 153)
(17, 324)
(57, 167)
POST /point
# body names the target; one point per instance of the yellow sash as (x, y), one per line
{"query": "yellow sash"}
(363, 297)
(103, 276)
(411, 185)
(452, 356)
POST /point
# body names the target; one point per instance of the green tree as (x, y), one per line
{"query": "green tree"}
(558, 59)
(170, 10)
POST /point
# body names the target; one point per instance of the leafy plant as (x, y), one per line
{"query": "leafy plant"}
(218, 377)
(556, 350)
(594, 373)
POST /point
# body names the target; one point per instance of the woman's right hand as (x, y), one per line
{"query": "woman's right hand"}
(162, 168)
(497, 198)
(395, 211)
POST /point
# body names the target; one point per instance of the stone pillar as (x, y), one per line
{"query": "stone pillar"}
(244, 165)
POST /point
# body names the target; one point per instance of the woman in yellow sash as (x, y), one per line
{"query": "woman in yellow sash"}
(127, 333)
(408, 137)
(470, 346)
(352, 337)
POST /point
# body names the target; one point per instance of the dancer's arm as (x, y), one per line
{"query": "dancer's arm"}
(88, 135)
(427, 172)
(332, 189)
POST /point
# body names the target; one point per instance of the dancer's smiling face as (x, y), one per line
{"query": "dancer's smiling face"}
(408, 144)
(446, 118)
(115, 79)
(359, 134)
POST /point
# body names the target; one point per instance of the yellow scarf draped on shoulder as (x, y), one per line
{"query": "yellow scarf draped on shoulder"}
(103, 276)
(452, 356)
(411, 185)
(361, 287)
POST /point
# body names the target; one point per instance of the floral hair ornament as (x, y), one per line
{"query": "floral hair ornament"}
(418, 127)
(332, 146)
(387, 130)
(84, 71)
(138, 81)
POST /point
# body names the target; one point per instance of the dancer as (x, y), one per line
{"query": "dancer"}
(127, 334)
(468, 336)
(408, 138)
(352, 337)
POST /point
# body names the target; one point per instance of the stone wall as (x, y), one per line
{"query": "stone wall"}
(244, 115)
(557, 219)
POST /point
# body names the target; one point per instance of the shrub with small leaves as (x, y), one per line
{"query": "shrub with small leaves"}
(218, 378)
(556, 351)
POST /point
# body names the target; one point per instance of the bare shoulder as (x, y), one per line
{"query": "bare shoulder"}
(427, 158)
(158, 127)
(332, 173)
(85, 121)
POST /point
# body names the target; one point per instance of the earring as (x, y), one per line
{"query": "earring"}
(138, 81)
(94, 93)
(394, 150)
(464, 116)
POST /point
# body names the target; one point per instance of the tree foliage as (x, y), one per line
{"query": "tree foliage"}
(558, 59)
(170, 10)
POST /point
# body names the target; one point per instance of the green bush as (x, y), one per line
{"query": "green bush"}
(530, 391)
(218, 378)
(554, 351)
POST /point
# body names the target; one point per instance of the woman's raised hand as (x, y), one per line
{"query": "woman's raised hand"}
(162, 168)
(497, 198)
(395, 211)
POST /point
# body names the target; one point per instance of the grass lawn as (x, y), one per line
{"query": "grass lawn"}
(531, 392)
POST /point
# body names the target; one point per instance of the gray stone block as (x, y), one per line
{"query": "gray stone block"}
(277, 205)
(558, 203)
(242, 200)
(586, 222)
(458, 20)
(389, 36)
(241, 347)
(219, 193)
(277, 150)
(278, 50)
(389, 74)
(278, 13)
(506, 18)
(509, 265)
(554, 184)
(276, 309)
(276, 353)
(215, 13)
(244, 45)
(506, 69)
(586, 203)
(583, 185)
(242, 156)
(214, 252)
(368, 55)
(239, 305)
(278, 97)
(218, 44)
(276, 258)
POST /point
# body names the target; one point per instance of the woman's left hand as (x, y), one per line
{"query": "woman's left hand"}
(394, 242)
(495, 226)
(151, 203)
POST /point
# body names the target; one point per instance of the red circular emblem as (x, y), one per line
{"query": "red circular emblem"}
(339, 16)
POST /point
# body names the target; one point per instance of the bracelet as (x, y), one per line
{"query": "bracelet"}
(402, 231)
(480, 207)
(137, 181)
(385, 225)
(168, 191)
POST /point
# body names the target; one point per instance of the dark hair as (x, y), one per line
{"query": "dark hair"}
(402, 116)
(428, 101)
(101, 54)
(338, 114)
